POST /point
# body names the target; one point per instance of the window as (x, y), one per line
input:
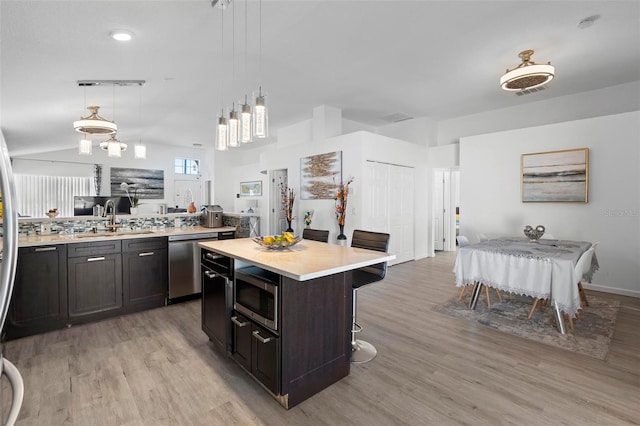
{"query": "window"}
(187, 166)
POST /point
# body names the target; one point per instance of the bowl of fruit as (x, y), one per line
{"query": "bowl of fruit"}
(275, 242)
(52, 213)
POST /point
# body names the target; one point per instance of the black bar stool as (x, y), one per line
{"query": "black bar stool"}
(315, 234)
(364, 351)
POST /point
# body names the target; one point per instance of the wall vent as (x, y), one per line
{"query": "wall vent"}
(397, 117)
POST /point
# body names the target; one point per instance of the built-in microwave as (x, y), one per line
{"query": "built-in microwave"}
(255, 295)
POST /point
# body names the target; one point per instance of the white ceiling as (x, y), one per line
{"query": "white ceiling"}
(440, 59)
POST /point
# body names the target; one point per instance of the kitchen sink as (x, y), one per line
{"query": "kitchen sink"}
(112, 234)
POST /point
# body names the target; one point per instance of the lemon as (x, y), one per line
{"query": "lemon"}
(268, 240)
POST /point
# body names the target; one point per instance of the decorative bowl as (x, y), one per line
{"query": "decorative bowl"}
(274, 242)
(532, 233)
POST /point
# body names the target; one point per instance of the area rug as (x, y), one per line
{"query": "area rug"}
(592, 334)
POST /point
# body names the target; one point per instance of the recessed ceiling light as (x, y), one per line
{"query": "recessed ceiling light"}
(121, 35)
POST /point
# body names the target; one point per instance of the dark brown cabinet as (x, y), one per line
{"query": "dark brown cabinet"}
(94, 281)
(256, 349)
(39, 300)
(144, 273)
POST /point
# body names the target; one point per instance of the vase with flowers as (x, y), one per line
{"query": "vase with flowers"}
(308, 215)
(134, 201)
(342, 196)
(287, 198)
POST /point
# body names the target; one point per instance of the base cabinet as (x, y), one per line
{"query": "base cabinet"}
(256, 349)
(144, 273)
(39, 300)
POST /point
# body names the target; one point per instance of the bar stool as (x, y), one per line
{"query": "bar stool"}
(316, 235)
(364, 351)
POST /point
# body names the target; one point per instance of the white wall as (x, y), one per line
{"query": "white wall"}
(491, 199)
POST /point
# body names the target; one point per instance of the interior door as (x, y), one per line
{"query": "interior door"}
(277, 217)
(438, 210)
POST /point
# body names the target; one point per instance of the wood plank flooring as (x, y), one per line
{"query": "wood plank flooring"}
(158, 368)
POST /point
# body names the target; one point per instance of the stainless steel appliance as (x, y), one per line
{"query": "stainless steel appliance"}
(8, 259)
(256, 295)
(212, 216)
(184, 265)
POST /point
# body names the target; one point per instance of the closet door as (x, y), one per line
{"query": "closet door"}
(389, 207)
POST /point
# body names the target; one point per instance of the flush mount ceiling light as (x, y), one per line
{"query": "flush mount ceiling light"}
(527, 75)
(94, 124)
(121, 35)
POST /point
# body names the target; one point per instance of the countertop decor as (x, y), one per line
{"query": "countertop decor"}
(287, 197)
(341, 199)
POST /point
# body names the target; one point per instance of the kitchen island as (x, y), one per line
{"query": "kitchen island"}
(309, 348)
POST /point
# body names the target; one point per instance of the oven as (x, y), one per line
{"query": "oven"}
(255, 295)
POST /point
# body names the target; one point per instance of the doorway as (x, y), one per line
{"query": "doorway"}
(446, 208)
(277, 217)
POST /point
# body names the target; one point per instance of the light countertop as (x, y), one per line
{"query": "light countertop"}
(306, 260)
(36, 240)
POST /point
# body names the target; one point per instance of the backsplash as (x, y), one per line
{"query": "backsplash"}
(88, 223)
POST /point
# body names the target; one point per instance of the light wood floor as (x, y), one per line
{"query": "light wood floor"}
(158, 368)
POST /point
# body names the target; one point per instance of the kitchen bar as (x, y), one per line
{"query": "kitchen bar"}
(310, 346)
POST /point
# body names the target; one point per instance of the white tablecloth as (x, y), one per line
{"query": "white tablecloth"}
(544, 269)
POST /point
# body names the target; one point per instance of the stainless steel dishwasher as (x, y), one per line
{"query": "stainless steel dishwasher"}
(184, 266)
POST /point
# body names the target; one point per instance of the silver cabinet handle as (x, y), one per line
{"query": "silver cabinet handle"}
(257, 335)
(234, 319)
(146, 253)
(45, 249)
(212, 256)
(95, 259)
(209, 274)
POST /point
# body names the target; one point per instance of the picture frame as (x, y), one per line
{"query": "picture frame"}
(555, 176)
(251, 189)
(320, 175)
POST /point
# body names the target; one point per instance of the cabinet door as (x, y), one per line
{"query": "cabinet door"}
(95, 286)
(264, 362)
(39, 300)
(215, 315)
(242, 341)
(144, 276)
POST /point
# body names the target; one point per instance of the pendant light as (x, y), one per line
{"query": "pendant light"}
(222, 135)
(260, 117)
(113, 147)
(246, 115)
(140, 150)
(233, 127)
(85, 147)
(93, 124)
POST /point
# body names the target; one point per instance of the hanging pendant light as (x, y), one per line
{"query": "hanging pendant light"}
(221, 134)
(140, 150)
(233, 128)
(94, 124)
(260, 117)
(85, 147)
(246, 118)
(113, 147)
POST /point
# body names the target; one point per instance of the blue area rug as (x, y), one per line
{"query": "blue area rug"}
(592, 334)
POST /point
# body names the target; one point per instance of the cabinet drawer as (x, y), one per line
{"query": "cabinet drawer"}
(92, 249)
(139, 244)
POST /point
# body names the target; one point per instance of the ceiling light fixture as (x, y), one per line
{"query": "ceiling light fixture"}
(140, 150)
(121, 35)
(260, 117)
(94, 124)
(113, 147)
(527, 75)
(222, 134)
(85, 147)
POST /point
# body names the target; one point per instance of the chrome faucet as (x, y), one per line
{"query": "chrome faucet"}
(112, 218)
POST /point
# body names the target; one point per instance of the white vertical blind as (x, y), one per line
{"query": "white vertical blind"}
(37, 194)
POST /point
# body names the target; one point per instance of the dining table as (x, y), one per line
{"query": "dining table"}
(543, 268)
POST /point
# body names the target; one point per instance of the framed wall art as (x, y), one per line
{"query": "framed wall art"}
(148, 184)
(251, 189)
(555, 176)
(319, 175)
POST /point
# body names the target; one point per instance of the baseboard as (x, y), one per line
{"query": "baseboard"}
(614, 290)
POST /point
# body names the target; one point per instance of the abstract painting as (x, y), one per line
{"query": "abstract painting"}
(148, 184)
(556, 176)
(319, 175)
(251, 189)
